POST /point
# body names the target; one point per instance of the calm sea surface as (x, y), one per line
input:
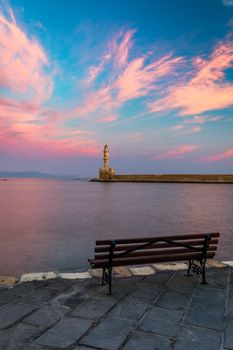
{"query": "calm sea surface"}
(53, 224)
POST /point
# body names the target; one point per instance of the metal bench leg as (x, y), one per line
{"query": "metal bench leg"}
(204, 257)
(110, 281)
(104, 277)
(203, 271)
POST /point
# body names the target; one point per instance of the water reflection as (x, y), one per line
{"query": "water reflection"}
(52, 225)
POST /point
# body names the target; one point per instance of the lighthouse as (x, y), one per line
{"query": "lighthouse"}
(106, 172)
(106, 158)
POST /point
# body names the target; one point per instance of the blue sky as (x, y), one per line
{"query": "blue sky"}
(152, 79)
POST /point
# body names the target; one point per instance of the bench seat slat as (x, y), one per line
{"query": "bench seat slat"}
(105, 248)
(148, 260)
(149, 239)
(153, 252)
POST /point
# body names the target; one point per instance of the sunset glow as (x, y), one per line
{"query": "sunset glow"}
(152, 82)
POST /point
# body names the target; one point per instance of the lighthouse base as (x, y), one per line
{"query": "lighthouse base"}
(106, 175)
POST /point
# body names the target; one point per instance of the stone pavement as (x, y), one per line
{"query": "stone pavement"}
(165, 311)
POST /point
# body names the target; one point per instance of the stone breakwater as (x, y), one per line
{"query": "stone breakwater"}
(176, 178)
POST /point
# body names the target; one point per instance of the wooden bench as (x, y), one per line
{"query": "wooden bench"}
(194, 248)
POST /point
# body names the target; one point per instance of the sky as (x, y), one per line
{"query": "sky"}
(152, 79)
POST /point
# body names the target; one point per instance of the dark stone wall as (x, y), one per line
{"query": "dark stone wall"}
(192, 178)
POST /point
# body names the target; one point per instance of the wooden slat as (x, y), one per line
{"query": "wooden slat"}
(193, 243)
(149, 239)
(149, 260)
(154, 252)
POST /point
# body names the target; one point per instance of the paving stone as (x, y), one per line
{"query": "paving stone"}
(8, 296)
(231, 286)
(23, 333)
(216, 279)
(133, 295)
(127, 283)
(75, 275)
(146, 290)
(27, 288)
(231, 274)
(228, 334)
(13, 313)
(208, 316)
(5, 339)
(170, 267)
(216, 263)
(229, 310)
(7, 280)
(73, 299)
(33, 347)
(93, 308)
(97, 273)
(210, 297)
(173, 300)
(38, 276)
(120, 288)
(82, 347)
(147, 341)
(160, 277)
(183, 284)
(65, 333)
(231, 292)
(109, 334)
(39, 297)
(61, 284)
(121, 271)
(17, 336)
(45, 317)
(197, 339)
(161, 321)
(144, 271)
(130, 308)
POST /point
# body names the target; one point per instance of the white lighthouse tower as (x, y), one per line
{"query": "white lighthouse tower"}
(106, 172)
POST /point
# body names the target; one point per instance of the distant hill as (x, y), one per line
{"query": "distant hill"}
(34, 174)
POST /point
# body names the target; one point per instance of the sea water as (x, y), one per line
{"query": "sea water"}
(52, 225)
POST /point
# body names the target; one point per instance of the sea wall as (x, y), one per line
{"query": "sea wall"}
(183, 178)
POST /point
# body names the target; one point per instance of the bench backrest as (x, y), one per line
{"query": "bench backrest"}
(154, 249)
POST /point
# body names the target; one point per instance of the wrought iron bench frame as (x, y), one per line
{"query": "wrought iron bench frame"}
(196, 264)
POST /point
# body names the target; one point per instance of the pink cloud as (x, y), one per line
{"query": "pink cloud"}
(108, 119)
(22, 62)
(194, 124)
(200, 119)
(124, 81)
(99, 99)
(178, 127)
(220, 156)
(139, 79)
(26, 128)
(44, 141)
(193, 129)
(187, 129)
(118, 51)
(177, 153)
(95, 71)
(206, 90)
(122, 49)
